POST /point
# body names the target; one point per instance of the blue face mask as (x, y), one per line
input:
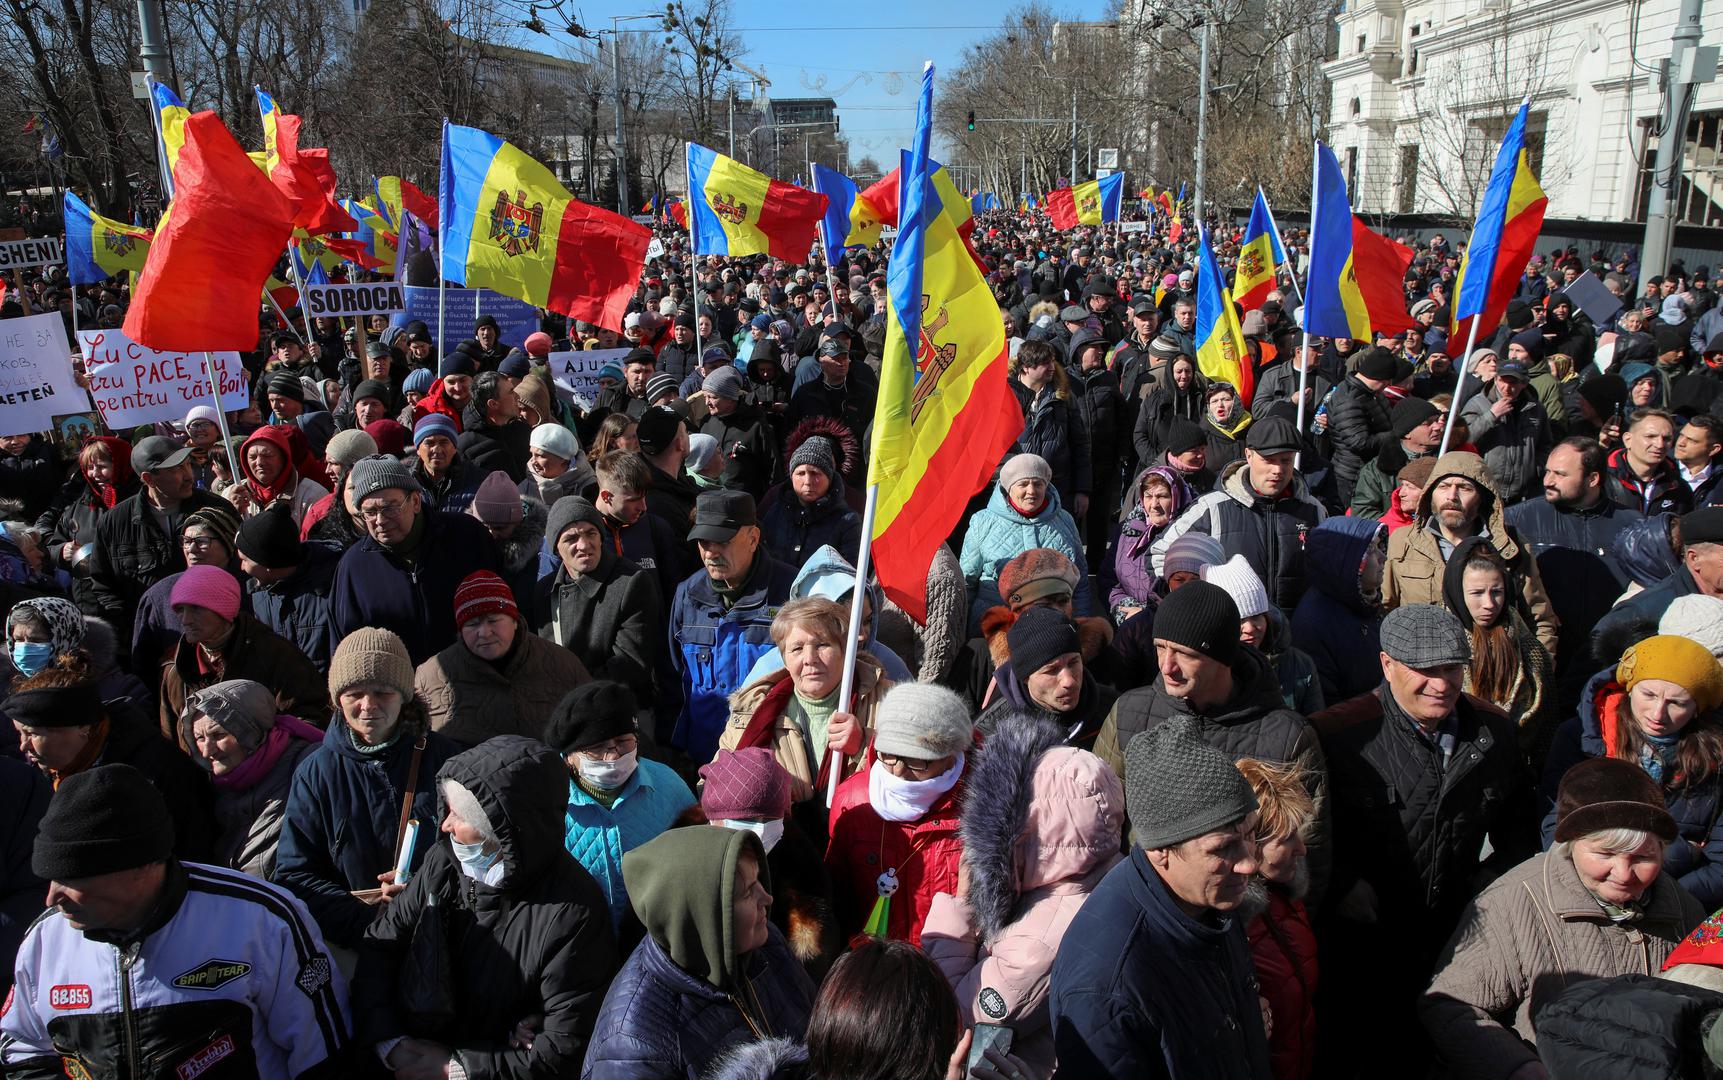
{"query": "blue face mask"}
(30, 657)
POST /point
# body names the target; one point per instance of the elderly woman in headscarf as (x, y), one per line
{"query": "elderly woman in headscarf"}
(1155, 500)
(41, 631)
(232, 729)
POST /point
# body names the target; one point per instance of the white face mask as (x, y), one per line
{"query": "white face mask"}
(769, 832)
(608, 775)
(896, 799)
(476, 863)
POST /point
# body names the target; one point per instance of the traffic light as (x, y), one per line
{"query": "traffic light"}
(971, 119)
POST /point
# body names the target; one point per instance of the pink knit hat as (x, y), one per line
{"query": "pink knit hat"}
(207, 587)
(746, 783)
(537, 344)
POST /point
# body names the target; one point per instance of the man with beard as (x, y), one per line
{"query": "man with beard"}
(1571, 532)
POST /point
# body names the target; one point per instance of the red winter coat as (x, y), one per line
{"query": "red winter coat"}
(864, 845)
(1283, 948)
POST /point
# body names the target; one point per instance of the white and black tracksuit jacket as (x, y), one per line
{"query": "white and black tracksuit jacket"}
(230, 979)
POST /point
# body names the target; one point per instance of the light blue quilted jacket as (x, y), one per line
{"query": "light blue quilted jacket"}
(599, 836)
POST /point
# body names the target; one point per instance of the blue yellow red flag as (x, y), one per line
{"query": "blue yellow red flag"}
(271, 134)
(945, 414)
(510, 227)
(849, 219)
(1221, 354)
(735, 210)
(1253, 279)
(97, 248)
(1094, 202)
(1357, 277)
(395, 195)
(1503, 238)
(171, 114)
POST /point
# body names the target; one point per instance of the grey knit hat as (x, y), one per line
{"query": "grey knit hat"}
(348, 447)
(244, 708)
(816, 451)
(726, 382)
(1424, 636)
(568, 510)
(922, 721)
(1178, 787)
(1025, 465)
(380, 473)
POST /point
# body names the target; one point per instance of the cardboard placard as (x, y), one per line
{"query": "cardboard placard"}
(366, 298)
(576, 373)
(36, 380)
(1591, 296)
(134, 384)
(40, 251)
(1133, 226)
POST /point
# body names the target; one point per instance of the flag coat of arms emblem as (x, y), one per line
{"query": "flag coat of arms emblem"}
(514, 225)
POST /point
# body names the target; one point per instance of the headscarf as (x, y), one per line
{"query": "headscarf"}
(120, 453)
(64, 621)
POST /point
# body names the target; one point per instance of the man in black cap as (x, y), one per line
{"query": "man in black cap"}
(1418, 426)
(1279, 382)
(1046, 678)
(147, 966)
(630, 396)
(1259, 509)
(839, 391)
(138, 541)
(1139, 366)
(287, 356)
(290, 583)
(721, 618)
(1358, 422)
(1512, 432)
(1700, 555)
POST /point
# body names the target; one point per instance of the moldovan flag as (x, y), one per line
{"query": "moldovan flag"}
(510, 227)
(213, 250)
(1503, 238)
(97, 248)
(945, 414)
(395, 194)
(849, 219)
(1258, 255)
(1095, 202)
(734, 210)
(1221, 355)
(171, 114)
(303, 175)
(1357, 277)
(882, 196)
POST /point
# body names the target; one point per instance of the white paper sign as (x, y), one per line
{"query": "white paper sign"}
(133, 384)
(36, 382)
(1133, 226)
(655, 250)
(576, 373)
(42, 251)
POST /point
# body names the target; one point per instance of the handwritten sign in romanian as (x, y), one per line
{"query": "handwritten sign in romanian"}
(36, 382)
(133, 384)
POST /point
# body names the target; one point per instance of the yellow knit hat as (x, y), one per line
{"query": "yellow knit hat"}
(1679, 660)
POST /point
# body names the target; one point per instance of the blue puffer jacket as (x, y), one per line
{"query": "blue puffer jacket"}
(999, 534)
(1695, 858)
(1333, 622)
(599, 836)
(795, 530)
(299, 608)
(338, 831)
(712, 647)
(376, 587)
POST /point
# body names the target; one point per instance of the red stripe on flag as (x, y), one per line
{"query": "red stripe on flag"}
(789, 217)
(599, 256)
(1062, 208)
(1379, 264)
(990, 419)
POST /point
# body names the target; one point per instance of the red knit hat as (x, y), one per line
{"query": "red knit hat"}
(482, 593)
(744, 784)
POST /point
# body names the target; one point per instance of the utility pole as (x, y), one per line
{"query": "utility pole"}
(621, 156)
(1688, 65)
(1202, 121)
(151, 34)
(732, 100)
(1073, 136)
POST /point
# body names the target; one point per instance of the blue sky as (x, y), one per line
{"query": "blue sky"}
(859, 54)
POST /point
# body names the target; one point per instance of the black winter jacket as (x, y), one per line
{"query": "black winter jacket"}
(493, 447)
(1053, 428)
(1104, 414)
(24, 793)
(32, 477)
(1631, 1027)
(1575, 552)
(1269, 533)
(612, 618)
(133, 552)
(375, 586)
(299, 607)
(1358, 429)
(537, 943)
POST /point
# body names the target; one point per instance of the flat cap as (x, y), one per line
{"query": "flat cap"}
(1423, 636)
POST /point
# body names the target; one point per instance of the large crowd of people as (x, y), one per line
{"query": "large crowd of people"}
(453, 721)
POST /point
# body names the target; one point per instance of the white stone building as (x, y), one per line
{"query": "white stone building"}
(1421, 91)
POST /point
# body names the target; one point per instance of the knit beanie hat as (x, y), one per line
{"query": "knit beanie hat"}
(1698, 617)
(1609, 793)
(745, 784)
(391, 436)
(497, 500)
(207, 587)
(101, 821)
(702, 448)
(434, 424)
(661, 386)
(371, 388)
(418, 381)
(592, 713)
(568, 510)
(1240, 583)
(1190, 553)
(816, 451)
(1409, 413)
(1378, 363)
(379, 473)
(1685, 663)
(1416, 472)
(1178, 787)
(271, 539)
(516, 365)
(657, 428)
(553, 438)
(537, 343)
(370, 654)
(1035, 575)
(922, 721)
(1184, 436)
(244, 708)
(1200, 616)
(1039, 637)
(457, 363)
(287, 385)
(1023, 466)
(483, 593)
(726, 382)
(349, 447)
(220, 520)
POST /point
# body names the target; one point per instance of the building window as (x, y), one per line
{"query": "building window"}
(1360, 42)
(1357, 106)
(1699, 201)
(1409, 178)
(1352, 172)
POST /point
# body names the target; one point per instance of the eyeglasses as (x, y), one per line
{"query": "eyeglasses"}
(379, 511)
(197, 541)
(611, 750)
(914, 766)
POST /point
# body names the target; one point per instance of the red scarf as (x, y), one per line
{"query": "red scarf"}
(120, 453)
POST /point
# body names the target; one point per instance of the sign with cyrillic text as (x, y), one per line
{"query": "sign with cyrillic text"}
(36, 381)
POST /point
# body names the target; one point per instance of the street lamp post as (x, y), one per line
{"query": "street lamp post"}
(616, 69)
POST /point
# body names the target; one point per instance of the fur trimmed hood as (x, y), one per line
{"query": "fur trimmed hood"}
(1034, 813)
(764, 1060)
(1093, 633)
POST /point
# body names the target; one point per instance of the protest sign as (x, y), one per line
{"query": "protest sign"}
(36, 382)
(655, 250)
(368, 298)
(1133, 226)
(576, 373)
(133, 384)
(42, 251)
(642, 219)
(515, 318)
(1591, 296)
